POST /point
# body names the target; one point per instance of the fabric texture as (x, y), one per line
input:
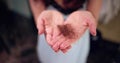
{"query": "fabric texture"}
(109, 10)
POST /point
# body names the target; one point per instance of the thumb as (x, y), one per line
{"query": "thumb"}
(92, 26)
(40, 25)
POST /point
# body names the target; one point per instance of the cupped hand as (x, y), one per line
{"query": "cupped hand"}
(73, 28)
(47, 23)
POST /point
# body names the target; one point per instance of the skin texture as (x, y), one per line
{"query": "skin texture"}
(47, 23)
(65, 32)
(79, 21)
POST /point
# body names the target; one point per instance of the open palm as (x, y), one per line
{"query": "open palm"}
(61, 34)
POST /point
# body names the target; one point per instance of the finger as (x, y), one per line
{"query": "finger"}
(65, 44)
(92, 26)
(56, 32)
(48, 38)
(40, 25)
(56, 46)
(65, 50)
(54, 40)
(49, 35)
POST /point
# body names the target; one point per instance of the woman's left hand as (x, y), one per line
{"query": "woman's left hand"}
(73, 28)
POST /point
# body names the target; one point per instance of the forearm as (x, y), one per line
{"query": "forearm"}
(37, 6)
(94, 7)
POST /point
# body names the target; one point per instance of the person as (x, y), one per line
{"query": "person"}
(63, 26)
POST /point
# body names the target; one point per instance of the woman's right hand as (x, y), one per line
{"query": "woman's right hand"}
(47, 23)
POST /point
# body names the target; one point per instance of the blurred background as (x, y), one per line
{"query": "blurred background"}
(18, 34)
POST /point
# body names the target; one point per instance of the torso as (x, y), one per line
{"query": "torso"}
(66, 5)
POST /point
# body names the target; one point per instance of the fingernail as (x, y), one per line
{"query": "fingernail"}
(56, 51)
(39, 32)
(94, 33)
(62, 46)
(64, 52)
